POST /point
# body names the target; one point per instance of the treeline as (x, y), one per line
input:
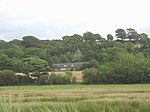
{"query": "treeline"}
(9, 78)
(126, 70)
(124, 60)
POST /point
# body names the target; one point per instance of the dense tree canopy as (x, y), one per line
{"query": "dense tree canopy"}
(125, 59)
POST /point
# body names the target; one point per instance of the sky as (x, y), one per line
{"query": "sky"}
(53, 19)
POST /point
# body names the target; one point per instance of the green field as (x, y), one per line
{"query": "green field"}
(76, 98)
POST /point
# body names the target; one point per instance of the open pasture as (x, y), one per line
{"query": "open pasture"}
(76, 98)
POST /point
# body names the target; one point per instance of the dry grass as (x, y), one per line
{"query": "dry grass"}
(84, 98)
(87, 94)
(77, 74)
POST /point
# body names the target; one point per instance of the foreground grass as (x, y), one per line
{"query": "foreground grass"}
(73, 86)
(76, 98)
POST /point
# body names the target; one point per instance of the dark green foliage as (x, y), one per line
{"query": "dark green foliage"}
(31, 41)
(126, 71)
(43, 80)
(55, 78)
(120, 33)
(91, 76)
(7, 77)
(89, 37)
(3, 44)
(13, 51)
(125, 60)
(7, 63)
(109, 37)
(35, 65)
(132, 34)
(22, 80)
(92, 64)
(90, 54)
(98, 37)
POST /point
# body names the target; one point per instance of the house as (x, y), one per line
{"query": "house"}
(68, 66)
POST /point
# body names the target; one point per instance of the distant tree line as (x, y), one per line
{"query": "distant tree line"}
(127, 69)
(125, 59)
(9, 78)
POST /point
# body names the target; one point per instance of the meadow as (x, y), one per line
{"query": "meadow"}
(76, 98)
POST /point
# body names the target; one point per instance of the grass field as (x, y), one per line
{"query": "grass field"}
(76, 98)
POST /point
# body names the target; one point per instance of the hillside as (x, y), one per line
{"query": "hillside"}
(124, 60)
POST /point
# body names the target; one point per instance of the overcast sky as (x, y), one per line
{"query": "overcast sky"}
(52, 19)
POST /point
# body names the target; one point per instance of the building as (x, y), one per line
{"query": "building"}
(68, 66)
(77, 53)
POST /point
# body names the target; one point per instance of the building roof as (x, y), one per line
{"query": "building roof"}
(69, 65)
(77, 52)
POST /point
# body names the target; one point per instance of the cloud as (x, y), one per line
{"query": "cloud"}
(55, 18)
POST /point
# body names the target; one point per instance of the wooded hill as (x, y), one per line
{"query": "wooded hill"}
(123, 60)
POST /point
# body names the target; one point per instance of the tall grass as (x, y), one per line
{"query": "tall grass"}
(64, 106)
(75, 98)
(55, 87)
(5, 106)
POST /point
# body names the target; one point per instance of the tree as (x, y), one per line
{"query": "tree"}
(89, 37)
(35, 66)
(143, 35)
(5, 62)
(63, 58)
(103, 57)
(98, 37)
(55, 78)
(43, 80)
(73, 39)
(16, 42)
(13, 51)
(65, 38)
(144, 39)
(90, 54)
(31, 41)
(130, 47)
(120, 33)
(145, 46)
(91, 76)
(3, 44)
(72, 42)
(22, 80)
(7, 78)
(41, 53)
(109, 37)
(132, 34)
(91, 64)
